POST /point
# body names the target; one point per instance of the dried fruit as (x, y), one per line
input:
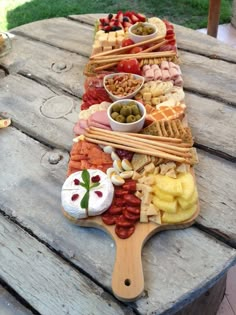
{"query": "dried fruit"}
(98, 193)
(76, 181)
(95, 179)
(74, 197)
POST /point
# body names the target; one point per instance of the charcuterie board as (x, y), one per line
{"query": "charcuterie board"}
(131, 166)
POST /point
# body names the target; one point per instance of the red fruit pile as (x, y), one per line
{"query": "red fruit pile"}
(119, 21)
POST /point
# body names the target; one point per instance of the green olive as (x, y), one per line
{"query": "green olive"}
(138, 117)
(114, 115)
(130, 119)
(120, 119)
(125, 110)
(135, 110)
(116, 108)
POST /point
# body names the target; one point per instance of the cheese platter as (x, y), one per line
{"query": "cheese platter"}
(131, 165)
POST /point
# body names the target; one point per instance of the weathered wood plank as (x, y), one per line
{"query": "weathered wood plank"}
(9, 305)
(213, 123)
(60, 32)
(187, 39)
(217, 186)
(50, 285)
(36, 205)
(51, 123)
(35, 59)
(207, 303)
(214, 78)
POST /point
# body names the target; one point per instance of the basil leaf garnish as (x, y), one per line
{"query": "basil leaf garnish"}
(86, 178)
(85, 200)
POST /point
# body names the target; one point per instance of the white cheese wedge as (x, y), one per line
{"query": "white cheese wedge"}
(100, 197)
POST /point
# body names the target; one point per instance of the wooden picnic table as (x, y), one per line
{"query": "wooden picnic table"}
(50, 266)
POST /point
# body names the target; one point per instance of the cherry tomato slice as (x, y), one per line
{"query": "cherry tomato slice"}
(127, 42)
(133, 210)
(130, 185)
(136, 50)
(122, 221)
(108, 218)
(130, 216)
(130, 66)
(123, 232)
(132, 200)
(114, 209)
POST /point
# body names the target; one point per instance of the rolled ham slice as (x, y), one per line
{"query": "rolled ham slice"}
(179, 81)
(157, 74)
(165, 75)
(173, 65)
(149, 75)
(164, 65)
(146, 67)
(174, 74)
(154, 67)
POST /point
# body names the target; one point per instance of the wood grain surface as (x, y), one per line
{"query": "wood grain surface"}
(10, 306)
(42, 94)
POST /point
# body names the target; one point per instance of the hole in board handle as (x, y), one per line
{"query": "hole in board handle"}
(127, 282)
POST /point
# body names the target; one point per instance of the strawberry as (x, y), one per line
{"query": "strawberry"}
(119, 16)
(107, 28)
(134, 18)
(126, 19)
(127, 24)
(128, 13)
(102, 21)
(141, 17)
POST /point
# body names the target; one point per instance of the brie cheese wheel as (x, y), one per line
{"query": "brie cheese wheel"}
(100, 197)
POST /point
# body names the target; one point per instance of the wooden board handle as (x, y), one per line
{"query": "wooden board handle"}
(127, 277)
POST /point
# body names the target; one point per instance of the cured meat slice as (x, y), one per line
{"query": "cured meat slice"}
(78, 130)
(100, 117)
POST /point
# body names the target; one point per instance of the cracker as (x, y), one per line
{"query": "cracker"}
(139, 161)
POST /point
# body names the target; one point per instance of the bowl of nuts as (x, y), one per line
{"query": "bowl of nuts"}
(126, 115)
(122, 85)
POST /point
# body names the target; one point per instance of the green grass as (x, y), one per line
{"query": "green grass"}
(190, 13)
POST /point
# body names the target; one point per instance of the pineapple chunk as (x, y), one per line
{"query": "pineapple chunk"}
(167, 206)
(188, 185)
(169, 185)
(162, 195)
(185, 204)
(180, 216)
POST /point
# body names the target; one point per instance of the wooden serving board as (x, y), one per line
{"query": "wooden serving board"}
(127, 277)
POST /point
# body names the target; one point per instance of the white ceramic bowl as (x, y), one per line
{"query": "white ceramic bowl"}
(140, 38)
(127, 127)
(131, 95)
